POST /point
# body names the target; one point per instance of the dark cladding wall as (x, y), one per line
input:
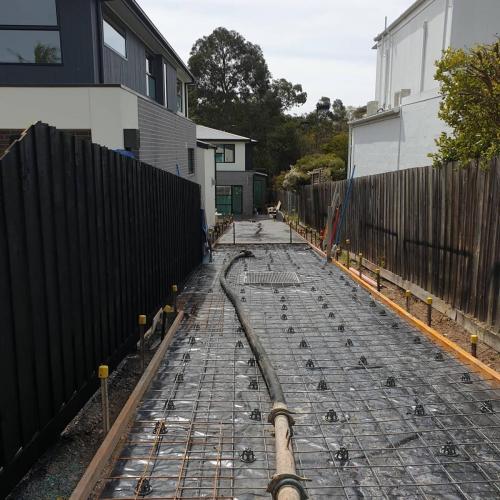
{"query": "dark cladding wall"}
(165, 138)
(131, 71)
(79, 45)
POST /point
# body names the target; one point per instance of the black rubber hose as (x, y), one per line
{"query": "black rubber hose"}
(265, 365)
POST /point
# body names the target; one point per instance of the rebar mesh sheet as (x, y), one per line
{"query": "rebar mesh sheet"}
(380, 411)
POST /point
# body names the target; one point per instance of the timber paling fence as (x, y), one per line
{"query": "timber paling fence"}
(89, 239)
(438, 228)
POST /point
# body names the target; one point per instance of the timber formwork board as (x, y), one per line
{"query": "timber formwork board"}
(380, 411)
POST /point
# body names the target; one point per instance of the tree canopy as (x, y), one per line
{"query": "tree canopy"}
(236, 92)
(470, 87)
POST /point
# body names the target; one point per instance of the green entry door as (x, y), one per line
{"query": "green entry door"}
(237, 196)
(223, 199)
(259, 192)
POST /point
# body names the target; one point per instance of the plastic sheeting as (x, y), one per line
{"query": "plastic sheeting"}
(380, 411)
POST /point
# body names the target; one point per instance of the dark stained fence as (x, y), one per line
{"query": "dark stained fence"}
(89, 239)
(438, 228)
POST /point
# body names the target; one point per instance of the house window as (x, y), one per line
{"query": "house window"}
(20, 42)
(150, 79)
(165, 86)
(180, 96)
(191, 160)
(30, 46)
(114, 39)
(224, 153)
(28, 13)
(223, 199)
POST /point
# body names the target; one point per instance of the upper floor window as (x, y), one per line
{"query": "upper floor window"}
(165, 86)
(224, 153)
(180, 96)
(20, 41)
(114, 39)
(30, 46)
(191, 160)
(28, 13)
(150, 79)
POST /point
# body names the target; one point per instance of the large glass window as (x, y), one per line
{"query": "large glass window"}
(165, 86)
(114, 39)
(180, 96)
(223, 198)
(28, 12)
(30, 46)
(224, 153)
(191, 160)
(150, 79)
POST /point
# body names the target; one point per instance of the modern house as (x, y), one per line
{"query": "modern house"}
(401, 124)
(98, 68)
(240, 190)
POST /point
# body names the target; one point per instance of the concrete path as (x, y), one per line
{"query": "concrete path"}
(263, 230)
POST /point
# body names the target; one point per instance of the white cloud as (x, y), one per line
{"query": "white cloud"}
(323, 44)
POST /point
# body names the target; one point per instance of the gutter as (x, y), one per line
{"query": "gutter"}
(390, 113)
(398, 20)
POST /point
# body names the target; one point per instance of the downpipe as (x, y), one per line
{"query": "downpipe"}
(285, 484)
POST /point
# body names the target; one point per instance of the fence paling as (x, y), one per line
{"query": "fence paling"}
(88, 239)
(438, 228)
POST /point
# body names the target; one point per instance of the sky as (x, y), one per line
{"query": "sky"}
(325, 45)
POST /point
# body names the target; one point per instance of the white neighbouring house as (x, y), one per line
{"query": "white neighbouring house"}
(401, 124)
(240, 190)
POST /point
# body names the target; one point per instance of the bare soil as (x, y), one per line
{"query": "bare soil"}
(443, 324)
(58, 471)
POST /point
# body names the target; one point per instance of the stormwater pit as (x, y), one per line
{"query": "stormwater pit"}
(379, 410)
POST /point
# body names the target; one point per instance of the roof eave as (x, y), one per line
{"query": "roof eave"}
(137, 9)
(405, 14)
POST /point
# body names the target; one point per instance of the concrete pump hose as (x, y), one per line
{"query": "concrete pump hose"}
(285, 485)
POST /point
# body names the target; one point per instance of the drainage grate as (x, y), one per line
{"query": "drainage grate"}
(270, 278)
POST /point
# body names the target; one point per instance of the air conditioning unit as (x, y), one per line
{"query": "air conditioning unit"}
(371, 108)
(398, 96)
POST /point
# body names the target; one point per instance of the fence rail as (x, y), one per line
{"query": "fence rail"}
(438, 228)
(89, 239)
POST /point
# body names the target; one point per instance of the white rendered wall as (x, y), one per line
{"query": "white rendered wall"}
(106, 111)
(406, 56)
(420, 127)
(205, 176)
(403, 141)
(239, 158)
(375, 146)
(475, 22)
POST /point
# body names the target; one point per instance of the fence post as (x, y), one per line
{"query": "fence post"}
(103, 375)
(360, 263)
(348, 246)
(164, 315)
(473, 345)
(174, 292)
(407, 297)
(142, 326)
(429, 310)
(377, 272)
